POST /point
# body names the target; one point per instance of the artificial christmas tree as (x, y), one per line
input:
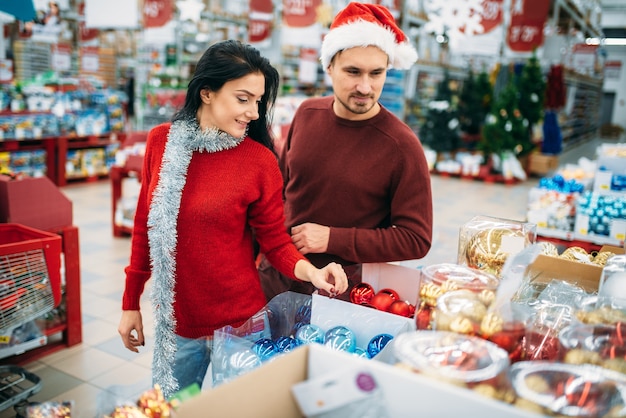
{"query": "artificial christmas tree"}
(506, 129)
(532, 92)
(474, 104)
(440, 132)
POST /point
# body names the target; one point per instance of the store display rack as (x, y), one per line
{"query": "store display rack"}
(57, 152)
(67, 255)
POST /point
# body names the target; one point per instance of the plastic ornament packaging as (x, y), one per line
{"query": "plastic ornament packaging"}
(485, 242)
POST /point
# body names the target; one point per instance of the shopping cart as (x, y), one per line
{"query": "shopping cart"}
(30, 286)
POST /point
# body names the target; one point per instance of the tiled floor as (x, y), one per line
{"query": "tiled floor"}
(100, 373)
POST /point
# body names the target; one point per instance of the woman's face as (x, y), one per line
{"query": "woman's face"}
(231, 108)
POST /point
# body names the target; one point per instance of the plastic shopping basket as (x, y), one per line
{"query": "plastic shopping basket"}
(30, 273)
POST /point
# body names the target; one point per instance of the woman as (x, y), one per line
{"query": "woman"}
(210, 179)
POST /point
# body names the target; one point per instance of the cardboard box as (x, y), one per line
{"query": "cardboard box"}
(266, 392)
(542, 164)
(34, 201)
(545, 269)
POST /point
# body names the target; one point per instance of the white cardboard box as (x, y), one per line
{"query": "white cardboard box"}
(266, 392)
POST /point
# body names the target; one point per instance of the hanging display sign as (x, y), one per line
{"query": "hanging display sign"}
(300, 13)
(61, 57)
(307, 68)
(157, 13)
(85, 34)
(6, 70)
(584, 58)
(528, 17)
(490, 15)
(89, 59)
(612, 70)
(260, 21)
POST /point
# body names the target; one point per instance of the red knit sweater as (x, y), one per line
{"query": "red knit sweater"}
(226, 195)
(368, 180)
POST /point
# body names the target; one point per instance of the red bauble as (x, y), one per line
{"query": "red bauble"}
(382, 301)
(390, 292)
(422, 317)
(361, 293)
(401, 307)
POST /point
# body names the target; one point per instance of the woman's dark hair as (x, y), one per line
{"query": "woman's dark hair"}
(229, 60)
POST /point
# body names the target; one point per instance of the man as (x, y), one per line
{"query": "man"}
(357, 185)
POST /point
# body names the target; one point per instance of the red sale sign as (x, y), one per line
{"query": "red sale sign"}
(156, 13)
(300, 13)
(525, 32)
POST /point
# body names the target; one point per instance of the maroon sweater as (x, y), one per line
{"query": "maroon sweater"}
(226, 195)
(368, 180)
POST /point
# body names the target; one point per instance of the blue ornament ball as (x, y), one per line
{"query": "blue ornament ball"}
(341, 342)
(286, 344)
(265, 348)
(303, 314)
(310, 333)
(377, 343)
(359, 352)
(243, 361)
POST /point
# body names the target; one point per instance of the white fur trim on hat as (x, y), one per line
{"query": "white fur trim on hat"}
(361, 33)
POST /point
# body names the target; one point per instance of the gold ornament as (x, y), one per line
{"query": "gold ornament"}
(429, 293)
(491, 323)
(579, 356)
(549, 249)
(487, 296)
(484, 250)
(461, 325)
(601, 258)
(576, 254)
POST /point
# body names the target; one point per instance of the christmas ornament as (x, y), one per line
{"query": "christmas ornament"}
(341, 342)
(362, 293)
(242, 362)
(402, 308)
(382, 301)
(303, 314)
(485, 250)
(286, 344)
(377, 343)
(359, 352)
(310, 333)
(265, 348)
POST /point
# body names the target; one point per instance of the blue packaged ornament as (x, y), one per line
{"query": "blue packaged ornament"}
(296, 327)
(339, 330)
(286, 344)
(304, 314)
(359, 352)
(265, 348)
(377, 343)
(341, 342)
(242, 362)
(310, 333)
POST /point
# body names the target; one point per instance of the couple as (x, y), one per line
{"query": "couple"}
(354, 178)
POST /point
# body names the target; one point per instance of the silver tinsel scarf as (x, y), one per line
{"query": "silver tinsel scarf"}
(184, 138)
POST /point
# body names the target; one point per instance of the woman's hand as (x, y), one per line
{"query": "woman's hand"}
(131, 330)
(331, 278)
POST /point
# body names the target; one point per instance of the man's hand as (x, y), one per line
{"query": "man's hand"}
(310, 237)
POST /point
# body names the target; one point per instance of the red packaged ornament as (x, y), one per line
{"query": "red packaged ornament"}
(402, 308)
(362, 293)
(382, 301)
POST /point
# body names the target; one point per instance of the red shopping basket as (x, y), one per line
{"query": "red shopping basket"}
(30, 273)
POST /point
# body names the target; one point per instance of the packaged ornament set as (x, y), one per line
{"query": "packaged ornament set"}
(545, 342)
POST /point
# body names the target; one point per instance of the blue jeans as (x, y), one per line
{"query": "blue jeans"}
(192, 360)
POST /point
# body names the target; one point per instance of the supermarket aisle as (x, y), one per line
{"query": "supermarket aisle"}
(92, 373)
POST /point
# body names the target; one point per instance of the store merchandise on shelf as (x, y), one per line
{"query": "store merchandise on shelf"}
(583, 203)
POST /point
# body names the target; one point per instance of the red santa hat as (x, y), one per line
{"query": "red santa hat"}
(361, 25)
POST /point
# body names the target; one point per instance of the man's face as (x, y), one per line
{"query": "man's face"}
(358, 75)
